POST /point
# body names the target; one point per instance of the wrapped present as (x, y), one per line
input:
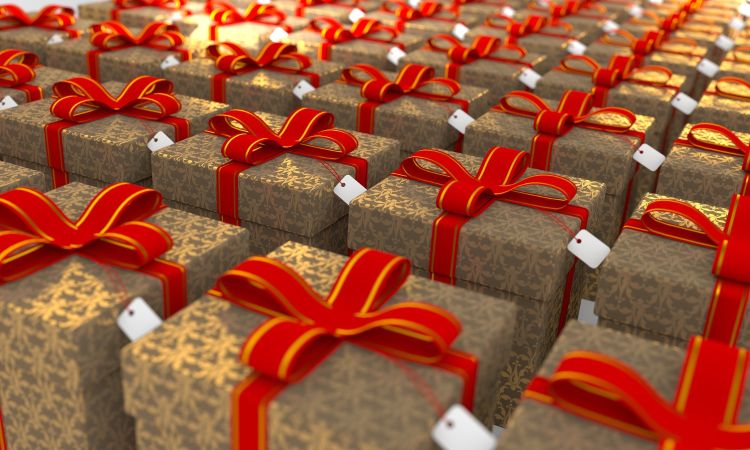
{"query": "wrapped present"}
(13, 176)
(708, 164)
(258, 82)
(481, 8)
(336, 9)
(427, 19)
(736, 63)
(613, 390)
(115, 53)
(502, 232)
(24, 79)
(725, 102)
(679, 268)
(483, 62)
(573, 139)
(372, 340)
(367, 41)
(587, 16)
(64, 283)
(414, 108)
(282, 188)
(139, 13)
(100, 132)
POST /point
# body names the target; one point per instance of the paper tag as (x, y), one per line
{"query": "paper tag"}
(159, 141)
(684, 103)
(724, 42)
(737, 23)
(656, 2)
(302, 88)
(708, 68)
(348, 189)
(576, 47)
(507, 11)
(458, 429)
(278, 34)
(459, 120)
(394, 55)
(56, 38)
(543, 3)
(138, 319)
(263, 2)
(649, 157)
(529, 78)
(459, 31)
(355, 15)
(7, 102)
(169, 61)
(588, 248)
(744, 9)
(414, 3)
(636, 11)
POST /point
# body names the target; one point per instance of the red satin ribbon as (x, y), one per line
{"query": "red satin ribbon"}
(722, 88)
(299, 11)
(702, 416)
(304, 328)
(112, 36)
(122, 5)
(83, 100)
(232, 60)
(413, 80)
(483, 47)
(732, 244)
(571, 8)
(333, 32)
(251, 142)
(225, 14)
(425, 10)
(52, 17)
(17, 70)
(531, 25)
(464, 196)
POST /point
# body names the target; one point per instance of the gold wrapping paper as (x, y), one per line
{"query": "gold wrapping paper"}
(45, 78)
(34, 40)
(13, 176)
(732, 113)
(247, 34)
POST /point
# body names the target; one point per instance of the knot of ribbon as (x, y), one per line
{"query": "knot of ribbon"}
(482, 47)
(731, 87)
(702, 416)
(232, 59)
(223, 13)
(413, 79)
(52, 17)
(332, 31)
(736, 147)
(164, 4)
(17, 68)
(111, 35)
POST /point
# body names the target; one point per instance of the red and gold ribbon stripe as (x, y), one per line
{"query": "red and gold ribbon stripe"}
(366, 29)
(482, 47)
(225, 14)
(425, 10)
(52, 17)
(299, 11)
(123, 5)
(531, 25)
(17, 70)
(734, 88)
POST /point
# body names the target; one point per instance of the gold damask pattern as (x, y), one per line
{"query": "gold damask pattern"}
(178, 380)
(732, 113)
(338, 12)
(12, 176)
(34, 39)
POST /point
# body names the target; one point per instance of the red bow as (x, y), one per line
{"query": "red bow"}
(483, 47)
(299, 11)
(530, 25)
(305, 327)
(732, 246)
(111, 230)
(50, 17)
(731, 87)
(333, 32)
(223, 13)
(650, 42)
(17, 69)
(702, 416)
(83, 100)
(165, 4)
(251, 142)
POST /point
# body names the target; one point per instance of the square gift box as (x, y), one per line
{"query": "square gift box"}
(581, 15)
(25, 79)
(503, 232)
(60, 344)
(139, 13)
(339, 10)
(100, 134)
(427, 18)
(13, 176)
(726, 102)
(345, 398)
(282, 188)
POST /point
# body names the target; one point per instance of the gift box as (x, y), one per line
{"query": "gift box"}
(209, 382)
(736, 63)
(139, 13)
(312, 9)
(59, 343)
(115, 53)
(725, 102)
(694, 388)
(365, 42)
(502, 232)
(26, 80)
(427, 19)
(13, 176)
(101, 132)
(282, 189)
(573, 139)
(410, 109)
(707, 164)
(679, 269)
(483, 62)
(588, 16)
(259, 82)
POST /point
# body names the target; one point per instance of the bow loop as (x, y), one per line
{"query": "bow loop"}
(111, 35)
(717, 138)
(52, 17)
(223, 13)
(406, 12)
(333, 31)
(232, 59)
(733, 87)
(164, 4)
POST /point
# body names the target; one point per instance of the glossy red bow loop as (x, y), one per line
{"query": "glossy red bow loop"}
(736, 147)
(164, 4)
(732, 87)
(51, 17)
(646, 44)
(17, 67)
(413, 79)
(232, 59)
(531, 24)
(499, 176)
(480, 47)
(111, 35)
(405, 12)
(620, 67)
(223, 13)
(334, 32)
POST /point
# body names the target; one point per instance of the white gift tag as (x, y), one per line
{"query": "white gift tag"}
(7, 102)
(507, 11)
(278, 34)
(459, 120)
(610, 27)
(169, 61)
(263, 2)
(302, 88)
(348, 189)
(649, 157)
(414, 3)
(459, 31)
(138, 319)
(724, 42)
(458, 429)
(708, 68)
(394, 55)
(744, 9)
(636, 11)
(656, 2)
(684, 103)
(737, 23)
(576, 47)
(159, 141)
(529, 78)
(588, 248)
(355, 15)
(55, 39)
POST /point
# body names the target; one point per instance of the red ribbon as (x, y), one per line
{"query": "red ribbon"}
(52, 17)
(570, 8)
(732, 244)
(483, 47)
(425, 10)
(121, 5)
(83, 100)
(333, 32)
(304, 328)
(723, 88)
(251, 142)
(463, 196)
(413, 80)
(17, 70)
(531, 25)
(702, 416)
(645, 45)
(224, 14)
(232, 60)
(299, 11)
(112, 36)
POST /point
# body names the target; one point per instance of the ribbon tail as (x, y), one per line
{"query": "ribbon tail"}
(3, 444)
(250, 401)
